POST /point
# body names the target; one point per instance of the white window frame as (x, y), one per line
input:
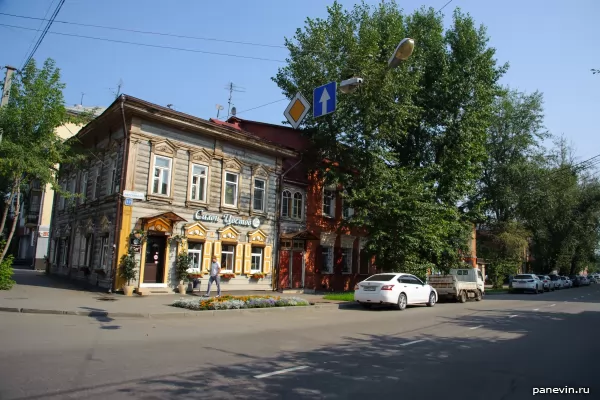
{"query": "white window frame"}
(226, 252)
(327, 267)
(263, 196)
(347, 212)
(297, 208)
(346, 260)
(331, 213)
(260, 256)
(160, 178)
(84, 184)
(104, 253)
(112, 186)
(195, 253)
(97, 183)
(288, 204)
(195, 188)
(236, 186)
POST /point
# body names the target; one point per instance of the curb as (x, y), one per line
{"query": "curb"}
(178, 314)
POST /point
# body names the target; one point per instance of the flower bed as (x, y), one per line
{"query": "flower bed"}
(239, 302)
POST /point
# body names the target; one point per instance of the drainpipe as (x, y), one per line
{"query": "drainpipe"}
(118, 223)
(278, 227)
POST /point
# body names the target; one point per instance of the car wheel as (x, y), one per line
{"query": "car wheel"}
(462, 297)
(401, 305)
(478, 296)
(431, 302)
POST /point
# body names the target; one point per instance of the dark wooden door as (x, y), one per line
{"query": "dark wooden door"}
(284, 269)
(297, 257)
(155, 259)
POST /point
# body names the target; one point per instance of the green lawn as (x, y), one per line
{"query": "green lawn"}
(346, 296)
(489, 291)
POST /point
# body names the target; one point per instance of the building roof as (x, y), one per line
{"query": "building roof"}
(79, 109)
(226, 130)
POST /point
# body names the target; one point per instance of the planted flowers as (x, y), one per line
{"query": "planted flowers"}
(238, 302)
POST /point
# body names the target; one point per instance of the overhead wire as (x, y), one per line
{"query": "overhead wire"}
(37, 30)
(44, 32)
(148, 45)
(147, 32)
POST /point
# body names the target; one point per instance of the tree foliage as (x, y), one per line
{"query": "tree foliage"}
(413, 136)
(30, 149)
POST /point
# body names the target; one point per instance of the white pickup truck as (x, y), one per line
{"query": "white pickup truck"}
(459, 284)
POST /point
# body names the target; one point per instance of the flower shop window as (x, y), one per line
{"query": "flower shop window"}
(257, 259)
(195, 251)
(227, 257)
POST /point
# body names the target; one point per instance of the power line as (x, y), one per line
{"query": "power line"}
(444, 6)
(38, 29)
(44, 32)
(149, 45)
(149, 32)
(261, 106)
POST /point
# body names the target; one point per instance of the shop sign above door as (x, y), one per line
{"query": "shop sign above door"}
(227, 219)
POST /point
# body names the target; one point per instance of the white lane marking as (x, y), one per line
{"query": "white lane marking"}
(413, 342)
(512, 316)
(281, 371)
(536, 309)
(476, 327)
(552, 305)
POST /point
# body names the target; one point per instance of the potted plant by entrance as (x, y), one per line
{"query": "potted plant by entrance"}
(128, 271)
(182, 265)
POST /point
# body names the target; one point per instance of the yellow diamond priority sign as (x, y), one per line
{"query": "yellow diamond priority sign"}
(297, 110)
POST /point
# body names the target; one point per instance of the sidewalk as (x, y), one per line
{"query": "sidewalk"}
(37, 293)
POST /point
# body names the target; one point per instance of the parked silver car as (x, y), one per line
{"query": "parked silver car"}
(558, 283)
(566, 282)
(549, 285)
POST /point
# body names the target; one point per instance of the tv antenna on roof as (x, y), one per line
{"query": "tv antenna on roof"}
(219, 108)
(232, 88)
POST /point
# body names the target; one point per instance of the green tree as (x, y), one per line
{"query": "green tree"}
(414, 136)
(30, 149)
(513, 143)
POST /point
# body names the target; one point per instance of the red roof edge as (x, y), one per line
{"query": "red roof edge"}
(235, 125)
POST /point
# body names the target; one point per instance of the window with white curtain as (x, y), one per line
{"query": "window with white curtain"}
(162, 175)
(199, 182)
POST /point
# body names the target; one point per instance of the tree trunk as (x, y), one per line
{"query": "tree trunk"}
(14, 223)
(5, 212)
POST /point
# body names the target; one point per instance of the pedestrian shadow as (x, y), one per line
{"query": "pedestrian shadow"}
(102, 317)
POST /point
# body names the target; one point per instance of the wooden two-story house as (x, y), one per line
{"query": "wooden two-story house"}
(158, 182)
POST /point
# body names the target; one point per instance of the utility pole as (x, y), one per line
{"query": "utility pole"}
(232, 88)
(10, 71)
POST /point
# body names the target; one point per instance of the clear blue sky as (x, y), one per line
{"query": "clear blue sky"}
(551, 46)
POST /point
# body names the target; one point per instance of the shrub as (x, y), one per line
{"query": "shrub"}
(6, 273)
(128, 270)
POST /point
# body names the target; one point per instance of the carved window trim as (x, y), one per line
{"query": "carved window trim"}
(233, 166)
(201, 158)
(166, 149)
(259, 173)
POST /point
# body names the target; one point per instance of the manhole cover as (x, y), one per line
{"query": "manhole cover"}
(106, 298)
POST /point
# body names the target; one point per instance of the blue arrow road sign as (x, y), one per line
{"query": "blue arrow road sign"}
(324, 99)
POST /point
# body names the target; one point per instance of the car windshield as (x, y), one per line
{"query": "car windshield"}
(523, 277)
(554, 277)
(381, 277)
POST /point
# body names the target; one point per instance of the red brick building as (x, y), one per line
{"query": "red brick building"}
(315, 250)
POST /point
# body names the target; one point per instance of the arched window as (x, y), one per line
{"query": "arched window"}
(286, 203)
(297, 205)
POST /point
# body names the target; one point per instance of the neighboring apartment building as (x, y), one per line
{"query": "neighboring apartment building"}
(31, 237)
(317, 252)
(205, 187)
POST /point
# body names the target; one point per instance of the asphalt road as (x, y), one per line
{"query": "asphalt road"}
(501, 348)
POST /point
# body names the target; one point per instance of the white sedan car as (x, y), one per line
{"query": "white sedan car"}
(526, 282)
(398, 289)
